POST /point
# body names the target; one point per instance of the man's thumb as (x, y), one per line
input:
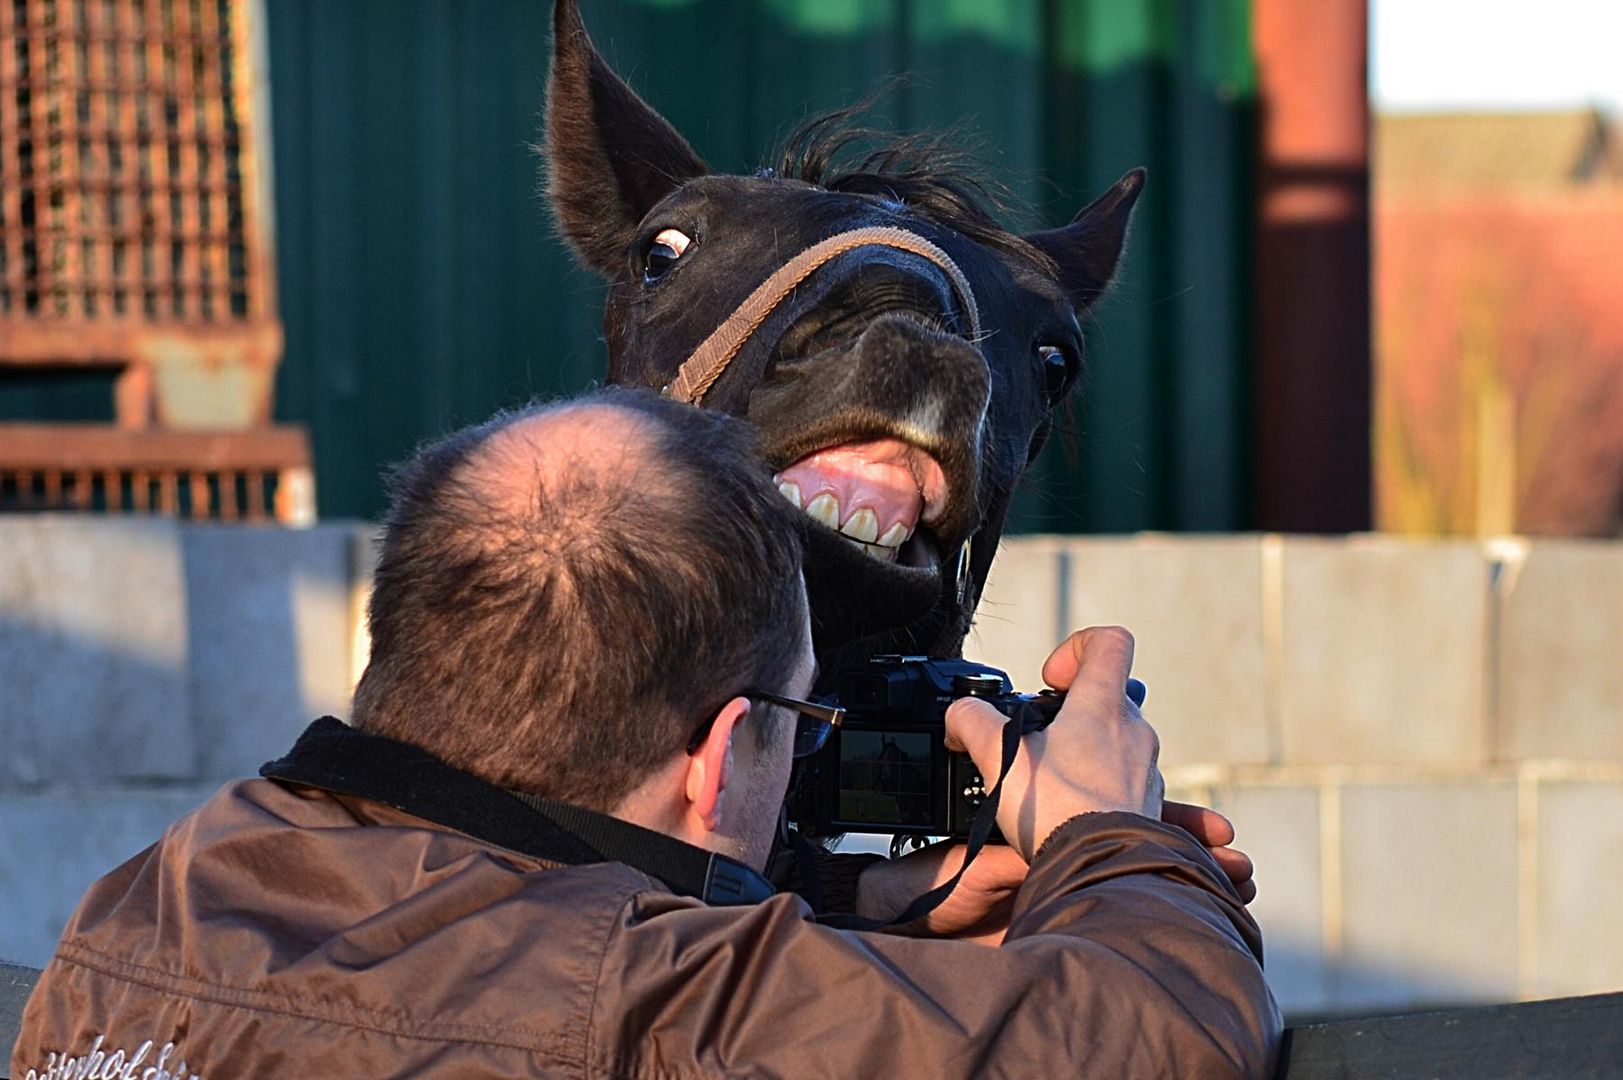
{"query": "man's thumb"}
(975, 726)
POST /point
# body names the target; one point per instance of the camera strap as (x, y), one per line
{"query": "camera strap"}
(980, 831)
(335, 757)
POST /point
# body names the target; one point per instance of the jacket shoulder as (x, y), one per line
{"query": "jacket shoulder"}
(303, 916)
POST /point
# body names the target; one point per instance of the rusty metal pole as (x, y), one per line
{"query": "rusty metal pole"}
(1313, 381)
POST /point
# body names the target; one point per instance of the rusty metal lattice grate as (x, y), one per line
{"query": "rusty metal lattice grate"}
(132, 238)
(125, 179)
(223, 475)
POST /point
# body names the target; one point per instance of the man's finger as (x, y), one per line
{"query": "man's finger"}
(1094, 661)
(1236, 865)
(1203, 823)
(976, 727)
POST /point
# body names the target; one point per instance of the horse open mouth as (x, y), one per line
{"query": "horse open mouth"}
(881, 496)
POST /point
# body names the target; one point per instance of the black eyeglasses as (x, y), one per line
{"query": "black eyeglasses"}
(815, 720)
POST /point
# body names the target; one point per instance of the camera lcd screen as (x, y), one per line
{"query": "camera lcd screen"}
(885, 777)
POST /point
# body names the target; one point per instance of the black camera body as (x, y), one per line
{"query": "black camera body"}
(886, 768)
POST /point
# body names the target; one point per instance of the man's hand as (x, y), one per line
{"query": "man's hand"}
(1217, 833)
(977, 909)
(1098, 754)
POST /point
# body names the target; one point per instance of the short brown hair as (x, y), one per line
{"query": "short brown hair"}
(567, 641)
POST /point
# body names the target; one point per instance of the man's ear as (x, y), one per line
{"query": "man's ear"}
(610, 157)
(1088, 249)
(710, 767)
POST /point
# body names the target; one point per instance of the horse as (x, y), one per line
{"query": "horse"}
(901, 353)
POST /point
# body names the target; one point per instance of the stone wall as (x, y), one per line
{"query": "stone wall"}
(142, 664)
(1420, 743)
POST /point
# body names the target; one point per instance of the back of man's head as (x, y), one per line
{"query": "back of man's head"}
(565, 592)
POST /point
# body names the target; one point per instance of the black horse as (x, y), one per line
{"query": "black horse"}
(901, 353)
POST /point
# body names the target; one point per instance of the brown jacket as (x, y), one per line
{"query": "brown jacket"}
(282, 930)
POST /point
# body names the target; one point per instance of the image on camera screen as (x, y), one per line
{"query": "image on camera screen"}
(885, 777)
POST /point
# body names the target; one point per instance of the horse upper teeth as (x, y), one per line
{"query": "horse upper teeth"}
(896, 535)
(862, 525)
(791, 491)
(825, 510)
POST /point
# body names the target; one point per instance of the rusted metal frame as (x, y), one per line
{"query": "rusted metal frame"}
(96, 231)
(169, 491)
(105, 342)
(229, 476)
(84, 250)
(129, 287)
(11, 190)
(259, 285)
(197, 488)
(69, 292)
(102, 183)
(72, 447)
(228, 505)
(184, 135)
(33, 39)
(105, 232)
(122, 85)
(49, 84)
(158, 282)
(216, 178)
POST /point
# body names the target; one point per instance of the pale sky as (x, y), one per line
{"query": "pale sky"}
(1494, 54)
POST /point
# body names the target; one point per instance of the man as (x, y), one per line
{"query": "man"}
(534, 854)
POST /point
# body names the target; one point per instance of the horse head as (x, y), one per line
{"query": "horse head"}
(900, 352)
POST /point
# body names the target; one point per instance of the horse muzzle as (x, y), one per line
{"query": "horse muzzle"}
(880, 439)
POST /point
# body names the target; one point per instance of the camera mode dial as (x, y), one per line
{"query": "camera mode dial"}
(977, 686)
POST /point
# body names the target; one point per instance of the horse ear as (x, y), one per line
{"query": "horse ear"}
(610, 156)
(1088, 249)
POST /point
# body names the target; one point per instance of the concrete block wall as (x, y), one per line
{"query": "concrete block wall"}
(142, 664)
(1421, 743)
(1367, 650)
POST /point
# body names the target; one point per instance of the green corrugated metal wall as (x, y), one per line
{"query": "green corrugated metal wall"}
(421, 286)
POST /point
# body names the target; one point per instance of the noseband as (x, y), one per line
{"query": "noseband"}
(700, 370)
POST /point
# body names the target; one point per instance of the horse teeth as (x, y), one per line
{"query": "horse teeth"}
(862, 525)
(791, 491)
(895, 536)
(877, 553)
(825, 510)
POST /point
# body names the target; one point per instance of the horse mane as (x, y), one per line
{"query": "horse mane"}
(928, 172)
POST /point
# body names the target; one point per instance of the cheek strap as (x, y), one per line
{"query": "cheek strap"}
(701, 370)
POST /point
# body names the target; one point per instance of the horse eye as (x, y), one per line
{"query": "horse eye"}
(1058, 371)
(667, 247)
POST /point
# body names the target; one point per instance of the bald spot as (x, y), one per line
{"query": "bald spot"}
(553, 479)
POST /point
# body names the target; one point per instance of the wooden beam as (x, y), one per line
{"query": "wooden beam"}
(1581, 1036)
(76, 447)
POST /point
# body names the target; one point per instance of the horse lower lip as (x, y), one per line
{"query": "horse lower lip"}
(916, 554)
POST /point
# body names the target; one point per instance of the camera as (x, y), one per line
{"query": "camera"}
(886, 768)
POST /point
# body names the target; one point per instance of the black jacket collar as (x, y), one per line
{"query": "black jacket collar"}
(333, 756)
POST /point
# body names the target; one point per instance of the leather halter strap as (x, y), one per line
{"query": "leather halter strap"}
(700, 370)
